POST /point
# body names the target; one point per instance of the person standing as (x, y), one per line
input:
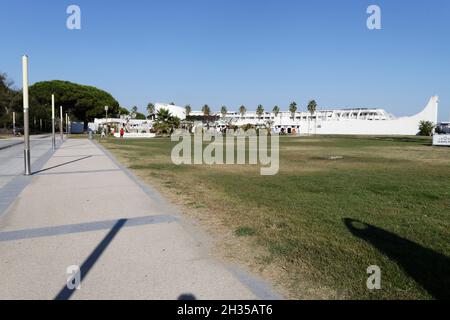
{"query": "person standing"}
(122, 132)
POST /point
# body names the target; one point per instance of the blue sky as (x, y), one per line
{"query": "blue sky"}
(230, 52)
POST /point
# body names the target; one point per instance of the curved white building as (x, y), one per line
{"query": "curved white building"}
(177, 111)
(359, 121)
(374, 125)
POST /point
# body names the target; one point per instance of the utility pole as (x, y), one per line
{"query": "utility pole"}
(61, 123)
(26, 124)
(53, 123)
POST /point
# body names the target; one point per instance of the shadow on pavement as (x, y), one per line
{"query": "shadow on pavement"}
(60, 165)
(66, 293)
(187, 297)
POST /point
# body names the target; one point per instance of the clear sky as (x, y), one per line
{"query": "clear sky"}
(233, 52)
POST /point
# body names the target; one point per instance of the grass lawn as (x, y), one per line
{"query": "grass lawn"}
(78, 136)
(319, 223)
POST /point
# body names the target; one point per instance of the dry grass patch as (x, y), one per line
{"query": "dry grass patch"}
(293, 228)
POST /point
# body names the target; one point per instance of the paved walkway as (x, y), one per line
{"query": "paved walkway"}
(11, 155)
(82, 208)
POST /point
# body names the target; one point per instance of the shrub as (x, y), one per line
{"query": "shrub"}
(426, 128)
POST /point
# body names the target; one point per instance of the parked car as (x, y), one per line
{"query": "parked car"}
(443, 128)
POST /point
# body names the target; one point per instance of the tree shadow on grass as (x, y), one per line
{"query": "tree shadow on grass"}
(420, 140)
(427, 267)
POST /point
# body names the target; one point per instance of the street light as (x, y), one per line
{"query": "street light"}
(106, 119)
(53, 123)
(26, 131)
(106, 110)
(14, 124)
(61, 123)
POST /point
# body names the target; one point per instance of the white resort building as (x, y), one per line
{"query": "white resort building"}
(356, 121)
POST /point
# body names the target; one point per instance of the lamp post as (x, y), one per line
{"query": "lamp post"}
(26, 131)
(61, 123)
(14, 124)
(106, 111)
(53, 123)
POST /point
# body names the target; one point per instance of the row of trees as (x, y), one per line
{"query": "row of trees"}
(81, 102)
(10, 101)
(312, 107)
(165, 122)
(206, 110)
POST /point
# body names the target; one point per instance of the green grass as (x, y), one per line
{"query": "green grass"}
(244, 231)
(400, 186)
(78, 136)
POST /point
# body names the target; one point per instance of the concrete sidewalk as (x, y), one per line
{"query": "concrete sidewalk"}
(84, 209)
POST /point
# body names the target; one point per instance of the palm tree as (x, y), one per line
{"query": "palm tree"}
(223, 111)
(165, 121)
(206, 110)
(312, 107)
(242, 110)
(163, 115)
(134, 112)
(260, 111)
(187, 110)
(150, 110)
(293, 109)
(276, 110)
(269, 124)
